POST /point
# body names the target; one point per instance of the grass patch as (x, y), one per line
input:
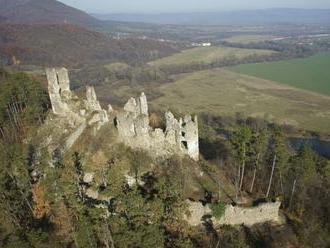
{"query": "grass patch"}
(223, 92)
(308, 73)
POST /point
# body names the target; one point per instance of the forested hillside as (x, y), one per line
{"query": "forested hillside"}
(68, 44)
(44, 204)
(44, 11)
(48, 32)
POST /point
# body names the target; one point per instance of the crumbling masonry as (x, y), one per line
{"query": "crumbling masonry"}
(236, 215)
(180, 136)
(59, 90)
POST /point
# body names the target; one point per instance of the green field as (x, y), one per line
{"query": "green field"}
(207, 55)
(223, 92)
(311, 73)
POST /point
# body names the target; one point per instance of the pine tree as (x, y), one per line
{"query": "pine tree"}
(240, 141)
(303, 168)
(259, 147)
(280, 157)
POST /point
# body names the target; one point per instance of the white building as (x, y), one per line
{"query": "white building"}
(206, 44)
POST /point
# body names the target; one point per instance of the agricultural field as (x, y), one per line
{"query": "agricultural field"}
(224, 92)
(207, 55)
(246, 39)
(311, 73)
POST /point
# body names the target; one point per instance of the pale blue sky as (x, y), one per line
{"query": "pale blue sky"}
(161, 6)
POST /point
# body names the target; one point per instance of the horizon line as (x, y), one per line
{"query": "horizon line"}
(204, 11)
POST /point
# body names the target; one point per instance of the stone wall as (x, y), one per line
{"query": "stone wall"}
(235, 215)
(180, 136)
(264, 212)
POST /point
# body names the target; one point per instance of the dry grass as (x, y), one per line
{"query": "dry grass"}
(208, 55)
(223, 92)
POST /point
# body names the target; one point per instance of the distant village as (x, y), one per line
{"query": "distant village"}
(122, 36)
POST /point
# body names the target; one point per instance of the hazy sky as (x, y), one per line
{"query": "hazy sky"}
(160, 6)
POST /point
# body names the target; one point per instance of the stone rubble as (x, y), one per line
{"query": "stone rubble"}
(131, 181)
(92, 194)
(88, 177)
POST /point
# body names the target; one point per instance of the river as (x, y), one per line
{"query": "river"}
(319, 146)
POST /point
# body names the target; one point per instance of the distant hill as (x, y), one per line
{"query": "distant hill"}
(246, 17)
(2, 19)
(71, 45)
(43, 11)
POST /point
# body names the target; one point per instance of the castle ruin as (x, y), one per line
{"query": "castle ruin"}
(71, 116)
(132, 122)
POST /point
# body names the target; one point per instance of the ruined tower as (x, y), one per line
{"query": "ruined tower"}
(59, 90)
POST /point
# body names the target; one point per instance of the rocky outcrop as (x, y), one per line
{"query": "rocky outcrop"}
(235, 215)
(180, 136)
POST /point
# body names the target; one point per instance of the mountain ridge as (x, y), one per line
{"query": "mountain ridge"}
(44, 11)
(238, 17)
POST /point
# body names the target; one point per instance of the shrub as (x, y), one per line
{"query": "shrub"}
(218, 209)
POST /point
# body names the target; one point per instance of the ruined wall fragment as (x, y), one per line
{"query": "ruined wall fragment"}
(63, 80)
(143, 104)
(189, 133)
(265, 212)
(59, 90)
(235, 215)
(74, 113)
(92, 104)
(180, 136)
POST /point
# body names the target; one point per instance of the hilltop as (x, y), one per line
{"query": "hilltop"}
(44, 11)
(85, 176)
